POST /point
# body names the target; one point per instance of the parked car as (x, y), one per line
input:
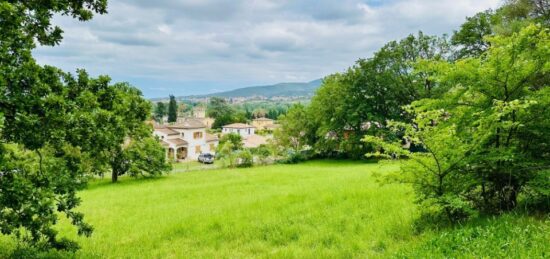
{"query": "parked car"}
(206, 158)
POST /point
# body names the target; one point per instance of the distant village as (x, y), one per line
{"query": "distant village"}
(192, 134)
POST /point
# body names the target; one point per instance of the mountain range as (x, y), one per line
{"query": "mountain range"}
(268, 91)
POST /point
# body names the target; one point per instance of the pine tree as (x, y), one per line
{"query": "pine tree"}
(172, 109)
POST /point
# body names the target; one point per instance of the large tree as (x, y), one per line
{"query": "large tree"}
(359, 101)
(42, 165)
(221, 112)
(54, 127)
(486, 140)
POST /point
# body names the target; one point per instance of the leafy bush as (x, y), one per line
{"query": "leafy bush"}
(292, 157)
(482, 156)
(245, 159)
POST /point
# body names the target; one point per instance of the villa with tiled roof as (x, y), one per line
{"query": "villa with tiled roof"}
(186, 140)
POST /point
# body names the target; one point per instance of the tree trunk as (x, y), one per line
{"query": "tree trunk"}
(114, 176)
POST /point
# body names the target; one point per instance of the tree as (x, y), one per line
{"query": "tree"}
(41, 164)
(359, 101)
(483, 140)
(297, 129)
(218, 107)
(235, 139)
(221, 112)
(143, 157)
(160, 111)
(172, 109)
(471, 37)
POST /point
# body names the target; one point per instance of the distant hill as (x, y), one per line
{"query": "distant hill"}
(281, 89)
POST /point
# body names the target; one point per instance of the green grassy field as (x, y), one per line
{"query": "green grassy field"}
(321, 209)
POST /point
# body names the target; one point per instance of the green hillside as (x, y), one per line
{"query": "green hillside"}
(281, 89)
(322, 209)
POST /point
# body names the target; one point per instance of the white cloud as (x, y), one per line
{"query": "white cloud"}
(194, 46)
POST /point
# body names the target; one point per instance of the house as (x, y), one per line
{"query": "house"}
(262, 123)
(186, 140)
(242, 129)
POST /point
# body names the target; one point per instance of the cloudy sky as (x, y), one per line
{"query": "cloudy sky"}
(185, 47)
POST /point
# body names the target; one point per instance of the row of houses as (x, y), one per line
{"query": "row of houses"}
(188, 138)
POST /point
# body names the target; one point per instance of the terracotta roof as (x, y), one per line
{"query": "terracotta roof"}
(210, 138)
(188, 124)
(177, 142)
(263, 119)
(167, 131)
(238, 126)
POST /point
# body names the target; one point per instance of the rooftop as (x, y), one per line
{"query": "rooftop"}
(238, 126)
(167, 131)
(177, 142)
(188, 124)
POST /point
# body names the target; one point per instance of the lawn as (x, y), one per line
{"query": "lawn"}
(320, 209)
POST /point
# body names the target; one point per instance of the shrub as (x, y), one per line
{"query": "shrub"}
(245, 159)
(292, 157)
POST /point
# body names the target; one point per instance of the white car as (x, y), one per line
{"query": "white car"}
(206, 158)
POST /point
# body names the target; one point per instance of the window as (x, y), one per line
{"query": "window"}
(197, 149)
(197, 135)
(182, 135)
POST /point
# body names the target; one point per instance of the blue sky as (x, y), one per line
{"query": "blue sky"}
(186, 47)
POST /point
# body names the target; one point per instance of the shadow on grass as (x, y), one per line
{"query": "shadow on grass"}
(123, 181)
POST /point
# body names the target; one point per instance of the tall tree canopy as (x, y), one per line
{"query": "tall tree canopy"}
(486, 139)
(222, 112)
(54, 126)
(359, 101)
(172, 109)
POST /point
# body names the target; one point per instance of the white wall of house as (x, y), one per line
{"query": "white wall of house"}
(197, 142)
(243, 132)
(196, 139)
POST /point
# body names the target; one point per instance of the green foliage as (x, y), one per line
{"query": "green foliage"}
(229, 148)
(264, 153)
(297, 129)
(146, 157)
(42, 164)
(172, 109)
(483, 141)
(291, 156)
(160, 111)
(235, 139)
(245, 158)
(221, 112)
(57, 129)
(471, 37)
(360, 101)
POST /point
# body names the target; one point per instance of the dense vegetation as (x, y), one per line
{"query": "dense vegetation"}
(58, 129)
(323, 209)
(469, 116)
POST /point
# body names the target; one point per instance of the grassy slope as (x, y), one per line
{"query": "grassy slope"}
(312, 210)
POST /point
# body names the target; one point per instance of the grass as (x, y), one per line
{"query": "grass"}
(320, 209)
(190, 166)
